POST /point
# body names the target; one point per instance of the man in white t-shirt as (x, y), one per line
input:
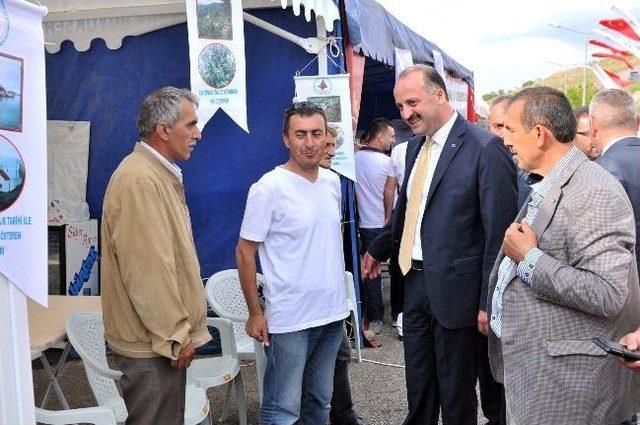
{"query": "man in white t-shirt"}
(292, 220)
(372, 169)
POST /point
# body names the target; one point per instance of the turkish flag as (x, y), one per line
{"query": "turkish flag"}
(471, 105)
(622, 26)
(616, 79)
(614, 57)
(608, 46)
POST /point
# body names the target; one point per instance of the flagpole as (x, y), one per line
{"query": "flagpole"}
(586, 55)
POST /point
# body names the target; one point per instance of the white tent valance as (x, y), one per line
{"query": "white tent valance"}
(82, 21)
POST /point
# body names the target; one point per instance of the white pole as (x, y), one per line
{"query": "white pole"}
(323, 65)
(16, 381)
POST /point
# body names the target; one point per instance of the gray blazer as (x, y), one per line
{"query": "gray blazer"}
(584, 285)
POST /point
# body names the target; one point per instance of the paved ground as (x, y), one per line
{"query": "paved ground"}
(379, 391)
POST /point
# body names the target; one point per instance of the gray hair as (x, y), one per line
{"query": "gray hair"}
(550, 108)
(505, 98)
(162, 106)
(432, 79)
(614, 108)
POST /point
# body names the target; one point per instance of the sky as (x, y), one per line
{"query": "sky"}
(507, 42)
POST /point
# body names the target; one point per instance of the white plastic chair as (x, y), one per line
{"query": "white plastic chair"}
(86, 333)
(226, 299)
(208, 372)
(97, 415)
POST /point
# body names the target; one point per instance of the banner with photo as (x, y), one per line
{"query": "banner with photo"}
(217, 59)
(23, 149)
(331, 92)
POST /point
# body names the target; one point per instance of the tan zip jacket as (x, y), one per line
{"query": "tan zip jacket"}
(153, 301)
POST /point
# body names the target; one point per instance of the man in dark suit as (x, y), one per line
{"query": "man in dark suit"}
(614, 128)
(457, 199)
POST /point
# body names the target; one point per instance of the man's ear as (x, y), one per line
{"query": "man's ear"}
(162, 130)
(285, 139)
(543, 135)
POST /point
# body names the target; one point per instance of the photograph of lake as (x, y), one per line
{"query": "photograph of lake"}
(10, 93)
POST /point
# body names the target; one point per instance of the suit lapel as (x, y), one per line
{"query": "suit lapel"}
(549, 204)
(451, 146)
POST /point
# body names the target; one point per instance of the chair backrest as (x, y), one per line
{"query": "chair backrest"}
(225, 296)
(86, 333)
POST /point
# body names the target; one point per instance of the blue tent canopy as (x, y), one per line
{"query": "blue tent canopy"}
(375, 33)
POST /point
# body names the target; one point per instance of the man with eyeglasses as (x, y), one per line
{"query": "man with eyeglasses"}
(583, 134)
(292, 221)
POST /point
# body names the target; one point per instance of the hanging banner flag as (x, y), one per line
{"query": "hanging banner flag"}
(623, 42)
(628, 16)
(458, 91)
(331, 92)
(403, 60)
(606, 78)
(217, 59)
(23, 149)
(621, 26)
(609, 47)
(438, 63)
(613, 57)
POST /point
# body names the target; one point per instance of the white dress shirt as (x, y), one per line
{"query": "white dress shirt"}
(170, 166)
(440, 139)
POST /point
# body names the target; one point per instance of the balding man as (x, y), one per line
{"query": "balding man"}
(614, 128)
(496, 119)
(457, 198)
(566, 273)
(583, 140)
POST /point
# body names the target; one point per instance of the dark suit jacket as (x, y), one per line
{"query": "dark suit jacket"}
(623, 161)
(471, 202)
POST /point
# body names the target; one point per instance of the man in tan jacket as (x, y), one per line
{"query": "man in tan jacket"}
(153, 301)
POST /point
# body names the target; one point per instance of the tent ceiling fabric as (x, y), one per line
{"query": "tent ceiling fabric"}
(82, 21)
(376, 33)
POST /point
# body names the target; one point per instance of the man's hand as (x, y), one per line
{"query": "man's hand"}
(256, 327)
(483, 323)
(371, 268)
(518, 240)
(632, 342)
(185, 356)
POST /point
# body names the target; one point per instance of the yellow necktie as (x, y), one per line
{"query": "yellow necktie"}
(413, 207)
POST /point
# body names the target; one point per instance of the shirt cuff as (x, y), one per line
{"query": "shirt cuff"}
(527, 265)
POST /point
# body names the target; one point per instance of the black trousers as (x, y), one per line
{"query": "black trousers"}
(341, 402)
(441, 364)
(491, 392)
(396, 287)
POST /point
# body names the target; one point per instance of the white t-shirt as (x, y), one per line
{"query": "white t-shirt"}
(298, 226)
(372, 170)
(397, 162)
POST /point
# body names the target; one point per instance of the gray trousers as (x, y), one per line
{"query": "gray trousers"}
(153, 391)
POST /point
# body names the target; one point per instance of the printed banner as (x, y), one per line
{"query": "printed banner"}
(403, 60)
(23, 149)
(217, 59)
(331, 92)
(458, 91)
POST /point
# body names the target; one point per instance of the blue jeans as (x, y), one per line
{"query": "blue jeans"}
(298, 378)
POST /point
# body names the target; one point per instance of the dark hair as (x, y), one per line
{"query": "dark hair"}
(550, 108)
(376, 127)
(581, 112)
(303, 109)
(432, 79)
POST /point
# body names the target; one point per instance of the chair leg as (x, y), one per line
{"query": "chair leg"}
(225, 403)
(241, 399)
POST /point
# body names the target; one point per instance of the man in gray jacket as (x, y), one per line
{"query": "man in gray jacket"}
(566, 273)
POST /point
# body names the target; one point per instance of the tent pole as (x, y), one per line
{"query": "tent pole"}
(17, 405)
(311, 44)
